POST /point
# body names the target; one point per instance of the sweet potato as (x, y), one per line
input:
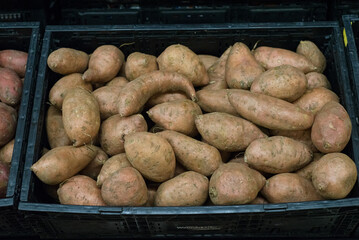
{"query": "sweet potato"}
(179, 58)
(284, 82)
(151, 192)
(150, 154)
(316, 80)
(269, 112)
(207, 60)
(241, 67)
(111, 165)
(81, 116)
(93, 169)
(55, 130)
(4, 178)
(104, 64)
(216, 73)
(313, 100)
(179, 169)
(138, 64)
(227, 132)
(58, 91)
(10, 87)
(8, 122)
(136, 93)
(176, 115)
(332, 128)
(6, 152)
(277, 154)
(80, 190)
(61, 163)
(15, 60)
(313, 53)
(117, 82)
(165, 97)
(68, 60)
(125, 187)
(259, 200)
(107, 98)
(215, 101)
(289, 187)
(270, 57)
(234, 183)
(308, 169)
(187, 189)
(193, 154)
(334, 175)
(115, 128)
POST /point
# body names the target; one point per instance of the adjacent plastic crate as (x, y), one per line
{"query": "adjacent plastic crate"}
(339, 8)
(330, 218)
(24, 37)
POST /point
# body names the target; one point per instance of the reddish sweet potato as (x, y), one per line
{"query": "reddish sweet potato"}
(15, 60)
(215, 101)
(107, 98)
(316, 80)
(68, 60)
(8, 122)
(138, 64)
(10, 87)
(55, 130)
(165, 97)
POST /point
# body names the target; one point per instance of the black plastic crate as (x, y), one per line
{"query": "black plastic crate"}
(24, 11)
(24, 37)
(330, 218)
(338, 8)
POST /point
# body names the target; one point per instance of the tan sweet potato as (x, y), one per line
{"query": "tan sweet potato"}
(207, 60)
(15, 60)
(68, 60)
(138, 64)
(179, 58)
(313, 53)
(193, 154)
(10, 87)
(4, 178)
(187, 189)
(61, 163)
(125, 187)
(115, 128)
(332, 128)
(215, 101)
(316, 80)
(289, 187)
(334, 175)
(234, 183)
(55, 130)
(308, 169)
(104, 64)
(277, 154)
(165, 97)
(81, 116)
(58, 91)
(241, 67)
(80, 190)
(117, 82)
(216, 73)
(150, 154)
(176, 115)
(111, 165)
(8, 122)
(284, 82)
(6, 152)
(107, 98)
(313, 100)
(227, 132)
(93, 169)
(136, 93)
(269, 112)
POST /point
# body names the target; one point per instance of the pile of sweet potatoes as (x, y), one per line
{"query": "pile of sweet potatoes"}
(181, 129)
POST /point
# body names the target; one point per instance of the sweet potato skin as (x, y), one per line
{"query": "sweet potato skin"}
(107, 97)
(8, 123)
(68, 60)
(15, 60)
(207, 60)
(215, 101)
(4, 178)
(117, 82)
(313, 53)
(316, 80)
(6, 152)
(165, 97)
(93, 169)
(138, 63)
(55, 130)
(307, 170)
(10, 87)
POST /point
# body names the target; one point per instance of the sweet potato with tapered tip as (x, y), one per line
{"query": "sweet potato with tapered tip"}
(104, 64)
(187, 189)
(135, 94)
(10, 87)
(269, 112)
(215, 101)
(241, 67)
(316, 80)
(150, 154)
(176, 115)
(313, 53)
(193, 154)
(15, 60)
(179, 58)
(107, 97)
(61, 163)
(58, 91)
(270, 57)
(165, 97)
(6, 152)
(138, 63)
(332, 128)
(207, 60)
(8, 122)
(55, 130)
(235, 183)
(93, 169)
(80, 190)
(68, 60)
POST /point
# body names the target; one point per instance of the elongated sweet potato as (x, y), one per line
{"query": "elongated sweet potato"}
(193, 154)
(8, 122)
(269, 112)
(241, 67)
(6, 152)
(68, 60)
(10, 87)
(55, 130)
(107, 98)
(138, 63)
(316, 80)
(207, 60)
(270, 57)
(165, 97)
(136, 93)
(61, 163)
(15, 60)
(215, 101)
(313, 53)
(93, 169)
